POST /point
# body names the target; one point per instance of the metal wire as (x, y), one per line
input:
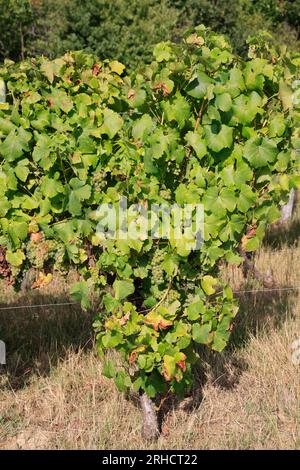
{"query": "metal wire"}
(267, 289)
(242, 291)
(38, 305)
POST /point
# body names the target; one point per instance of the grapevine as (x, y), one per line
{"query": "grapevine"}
(198, 126)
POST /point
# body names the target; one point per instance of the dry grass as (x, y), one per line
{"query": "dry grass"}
(54, 397)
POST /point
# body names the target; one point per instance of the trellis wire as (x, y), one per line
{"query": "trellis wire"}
(11, 307)
(242, 291)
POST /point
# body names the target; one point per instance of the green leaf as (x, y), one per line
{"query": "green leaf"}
(112, 123)
(21, 170)
(228, 199)
(5, 205)
(51, 68)
(86, 144)
(15, 258)
(80, 291)
(177, 109)
(251, 244)
(218, 139)
(295, 181)
(65, 231)
(6, 126)
(259, 152)
(137, 98)
(111, 339)
(169, 366)
(74, 204)
(123, 289)
(243, 174)
(245, 108)
(42, 120)
(142, 127)
(195, 309)
(170, 264)
(162, 52)
(18, 230)
(122, 381)
(42, 148)
(50, 187)
(236, 79)
(283, 160)
(277, 126)
(286, 95)
(186, 195)
(196, 141)
(108, 369)
(201, 333)
(209, 198)
(246, 199)
(79, 193)
(60, 99)
(224, 102)
(228, 175)
(14, 146)
(220, 340)
(197, 87)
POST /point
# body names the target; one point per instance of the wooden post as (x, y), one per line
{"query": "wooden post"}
(287, 209)
(2, 91)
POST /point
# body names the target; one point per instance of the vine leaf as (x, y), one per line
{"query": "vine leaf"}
(123, 289)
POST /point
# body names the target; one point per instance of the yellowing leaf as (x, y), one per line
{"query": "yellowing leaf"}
(208, 283)
(117, 67)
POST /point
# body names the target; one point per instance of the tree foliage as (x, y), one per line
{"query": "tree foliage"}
(127, 30)
(199, 125)
(16, 21)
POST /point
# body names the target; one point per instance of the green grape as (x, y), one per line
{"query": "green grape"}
(99, 181)
(37, 253)
(157, 272)
(57, 252)
(165, 194)
(173, 295)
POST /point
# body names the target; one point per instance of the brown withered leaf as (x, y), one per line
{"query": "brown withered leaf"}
(42, 281)
(96, 69)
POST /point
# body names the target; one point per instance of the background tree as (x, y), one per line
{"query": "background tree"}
(120, 30)
(16, 22)
(127, 31)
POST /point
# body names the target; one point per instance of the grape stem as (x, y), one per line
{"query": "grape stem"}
(163, 297)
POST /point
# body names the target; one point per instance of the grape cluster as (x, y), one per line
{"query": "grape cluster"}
(37, 252)
(94, 273)
(173, 295)
(57, 253)
(99, 181)
(165, 194)
(41, 251)
(156, 268)
(174, 169)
